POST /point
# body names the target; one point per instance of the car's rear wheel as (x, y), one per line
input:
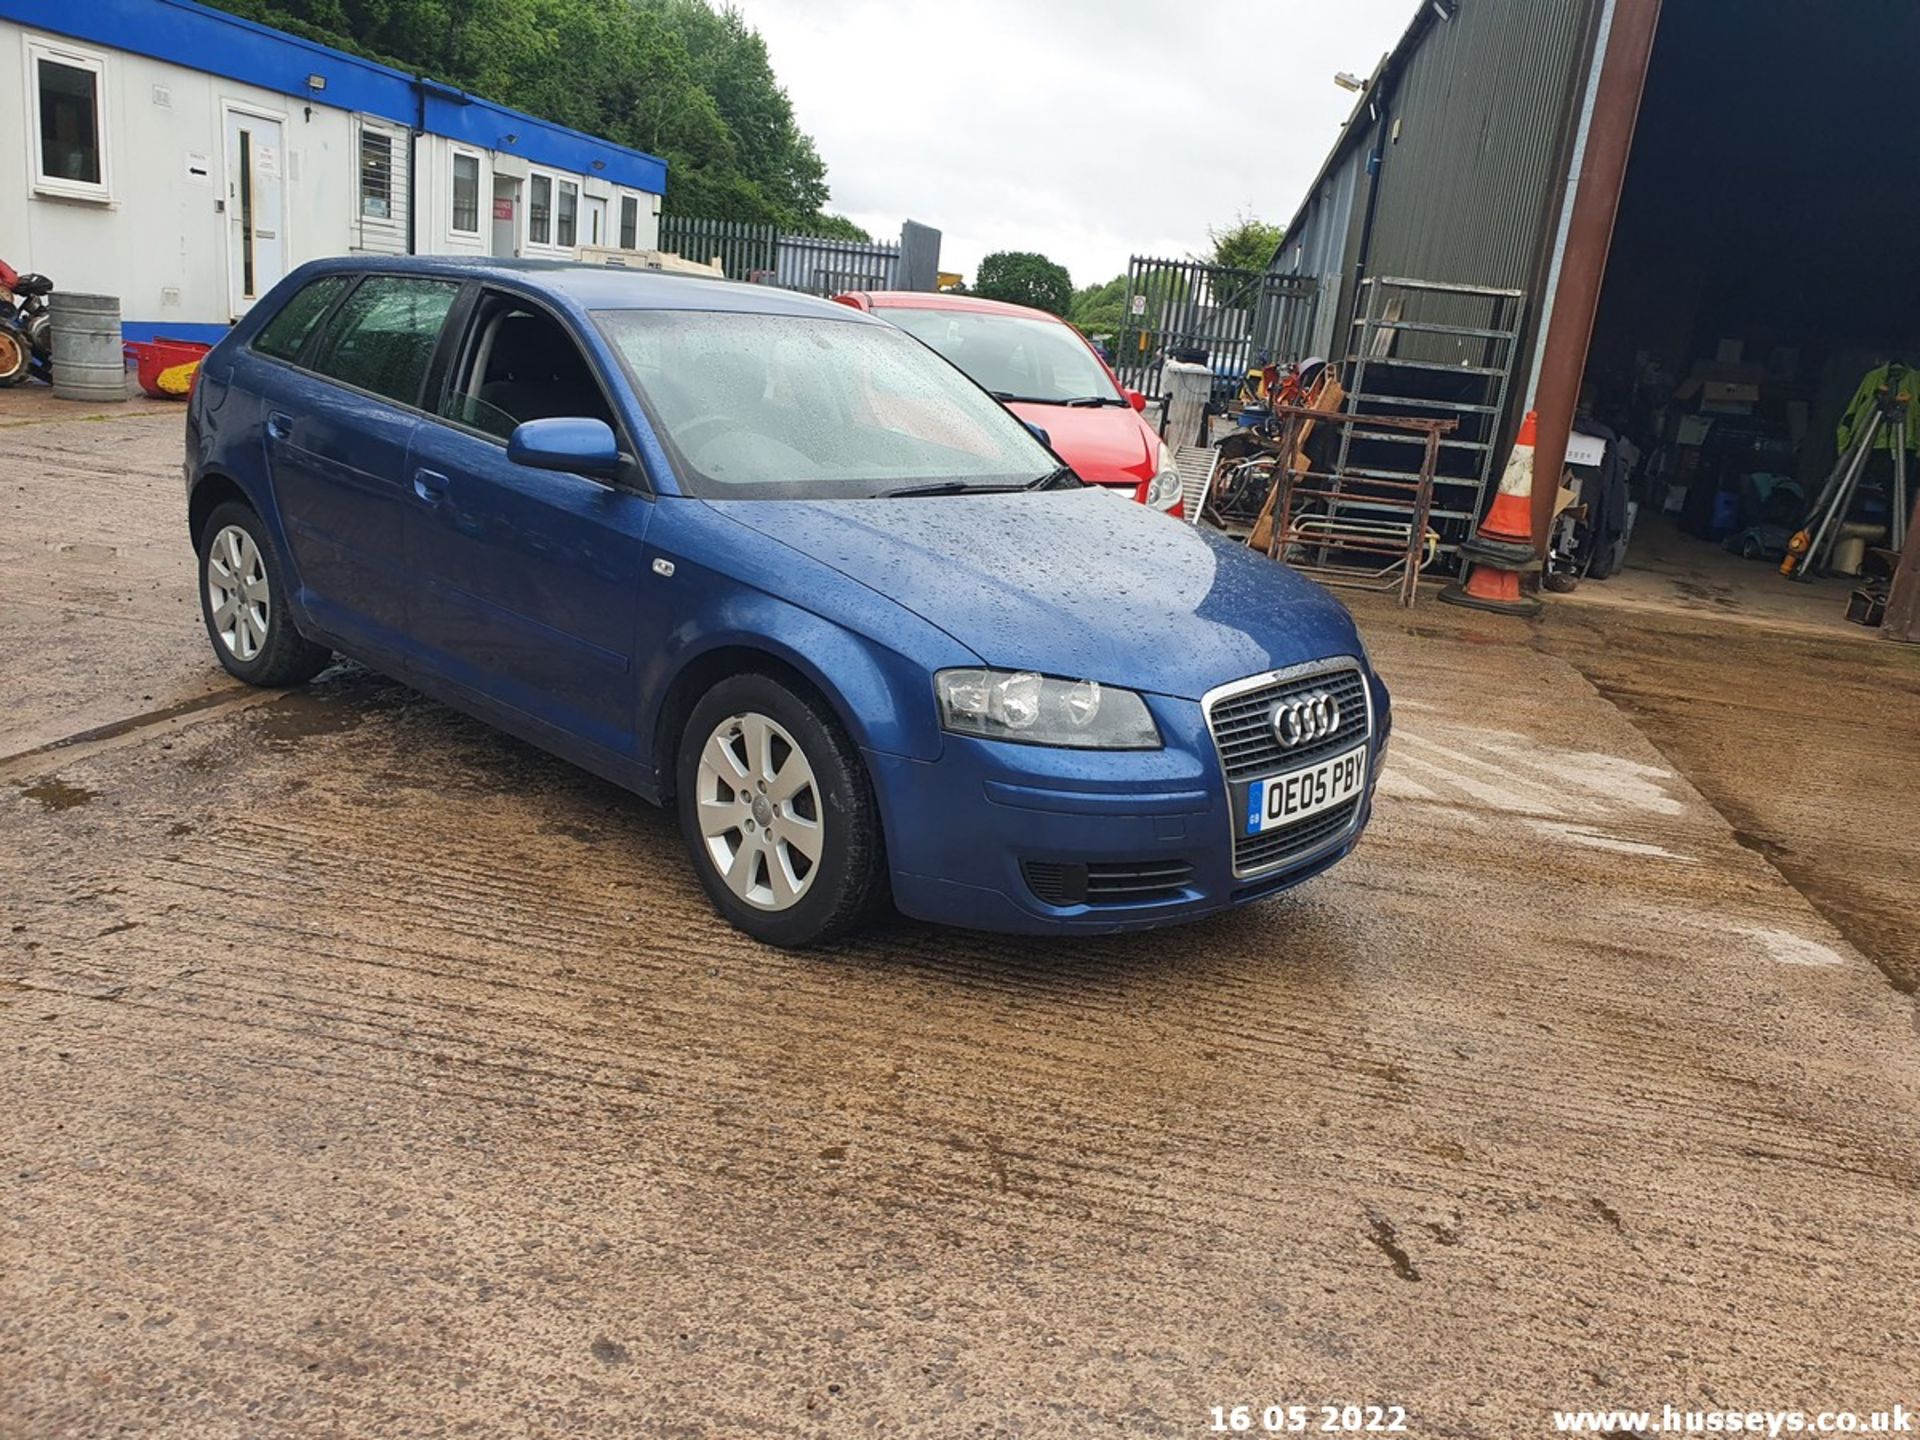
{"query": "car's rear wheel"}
(777, 812)
(242, 601)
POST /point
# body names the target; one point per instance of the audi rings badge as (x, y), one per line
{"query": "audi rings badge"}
(1305, 718)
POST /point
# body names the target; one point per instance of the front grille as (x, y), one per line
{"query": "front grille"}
(1269, 847)
(1108, 882)
(1243, 725)
(1242, 729)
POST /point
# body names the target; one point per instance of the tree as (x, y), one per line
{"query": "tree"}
(1022, 277)
(1100, 309)
(1247, 244)
(676, 78)
(827, 226)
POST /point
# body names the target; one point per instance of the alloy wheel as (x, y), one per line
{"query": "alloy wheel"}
(237, 592)
(759, 811)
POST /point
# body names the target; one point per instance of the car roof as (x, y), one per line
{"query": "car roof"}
(944, 300)
(598, 287)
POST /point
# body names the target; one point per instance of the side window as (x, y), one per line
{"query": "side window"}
(376, 174)
(68, 153)
(540, 211)
(382, 338)
(283, 336)
(520, 364)
(466, 193)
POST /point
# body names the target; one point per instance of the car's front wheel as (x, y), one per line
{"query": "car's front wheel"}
(243, 601)
(777, 812)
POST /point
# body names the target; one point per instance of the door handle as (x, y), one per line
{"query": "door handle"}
(429, 485)
(279, 426)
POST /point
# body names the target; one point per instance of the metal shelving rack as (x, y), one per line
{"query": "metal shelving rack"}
(1420, 349)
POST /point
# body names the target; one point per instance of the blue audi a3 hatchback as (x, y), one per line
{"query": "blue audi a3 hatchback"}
(777, 564)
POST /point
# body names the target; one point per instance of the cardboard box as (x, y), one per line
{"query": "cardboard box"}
(1728, 397)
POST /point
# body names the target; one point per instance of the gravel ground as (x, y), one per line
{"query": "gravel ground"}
(368, 1073)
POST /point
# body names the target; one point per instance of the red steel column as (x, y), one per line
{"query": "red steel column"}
(1902, 620)
(1616, 109)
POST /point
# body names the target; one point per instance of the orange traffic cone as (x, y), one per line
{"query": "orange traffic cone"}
(1502, 549)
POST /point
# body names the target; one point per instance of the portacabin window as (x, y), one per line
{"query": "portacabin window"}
(466, 193)
(376, 174)
(540, 210)
(69, 120)
(629, 222)
(565, 214)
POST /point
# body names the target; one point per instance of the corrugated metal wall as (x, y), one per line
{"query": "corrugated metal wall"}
(1482, 108)
(1321, 242)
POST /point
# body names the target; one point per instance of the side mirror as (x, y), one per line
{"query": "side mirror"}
(582, 446)
(1039, 434)
(1135, 399)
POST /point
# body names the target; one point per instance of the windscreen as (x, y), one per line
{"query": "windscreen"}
(1014, 357)
(804, 407)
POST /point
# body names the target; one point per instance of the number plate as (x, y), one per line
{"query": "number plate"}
(1282, 799)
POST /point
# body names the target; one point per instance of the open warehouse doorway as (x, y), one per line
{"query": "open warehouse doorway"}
(1760, 277)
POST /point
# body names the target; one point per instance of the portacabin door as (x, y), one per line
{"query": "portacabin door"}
(255, 206)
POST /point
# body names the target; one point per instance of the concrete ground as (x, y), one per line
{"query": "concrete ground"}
(1669, 572)
(369, 1074)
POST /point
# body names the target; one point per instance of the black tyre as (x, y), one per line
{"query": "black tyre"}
(778, 813)
(242, 600)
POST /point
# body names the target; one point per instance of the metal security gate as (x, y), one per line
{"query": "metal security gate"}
(1234, 318)
(764, 256)
(826, 267)
(745, 252)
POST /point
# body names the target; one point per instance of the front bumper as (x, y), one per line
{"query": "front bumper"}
(976, 837)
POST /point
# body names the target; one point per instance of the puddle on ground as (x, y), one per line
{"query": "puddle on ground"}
(302, 715)
(56, 794)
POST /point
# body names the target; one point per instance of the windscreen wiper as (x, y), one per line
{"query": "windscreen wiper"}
(1007, 397)
(948, 487)
(1064, 473)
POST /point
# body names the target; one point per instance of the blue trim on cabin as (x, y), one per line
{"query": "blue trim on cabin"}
(173, 330)
(195, 37)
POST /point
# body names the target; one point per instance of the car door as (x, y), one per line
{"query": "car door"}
(338, 424)
(526, 582)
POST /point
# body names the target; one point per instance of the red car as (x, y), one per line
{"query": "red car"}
(1042, 369)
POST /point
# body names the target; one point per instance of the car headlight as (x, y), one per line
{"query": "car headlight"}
(1163, 491)
(1040, 710)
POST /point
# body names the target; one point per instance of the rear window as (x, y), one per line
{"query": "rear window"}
(382, 338)
(283, 336)
(1015, 357)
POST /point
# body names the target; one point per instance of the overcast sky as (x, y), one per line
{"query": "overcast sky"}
(1089, 130)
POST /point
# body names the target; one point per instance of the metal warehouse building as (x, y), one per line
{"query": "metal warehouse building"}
(184, 160)
(1684, 220)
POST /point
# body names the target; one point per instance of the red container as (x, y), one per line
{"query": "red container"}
(167, 368)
